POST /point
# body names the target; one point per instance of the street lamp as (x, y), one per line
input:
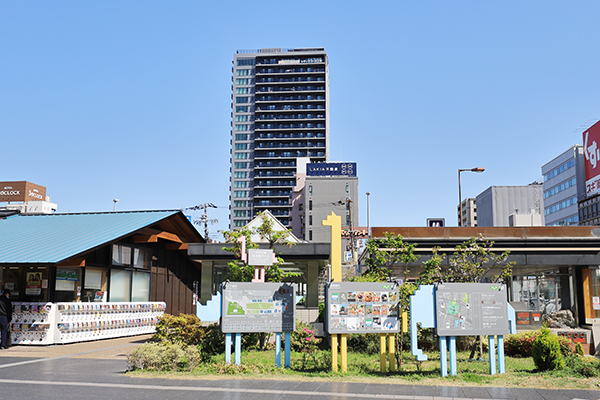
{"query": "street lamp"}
(115, 204)
(460, 216)
(368, 216)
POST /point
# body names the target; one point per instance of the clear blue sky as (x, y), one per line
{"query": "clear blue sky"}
(131, 99)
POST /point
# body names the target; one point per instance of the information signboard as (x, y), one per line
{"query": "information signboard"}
(362, 307)
(257, 307)
(468, 309)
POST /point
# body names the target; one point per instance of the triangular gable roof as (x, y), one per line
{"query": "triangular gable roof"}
(277, 226)
(53, 238)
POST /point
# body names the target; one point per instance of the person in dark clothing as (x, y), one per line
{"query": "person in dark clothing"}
(5, 317)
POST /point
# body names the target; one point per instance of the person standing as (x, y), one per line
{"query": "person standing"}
(5, 317)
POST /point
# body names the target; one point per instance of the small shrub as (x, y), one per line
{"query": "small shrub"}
(579, 349)
(521, 344)
(184, 329)
(303, 338)
(250, 341)
(322, 311)
(214, 341)
(586, 367)
(427, 339)
(546, 352)
(164, 357)
(367, 343)
(223, 368)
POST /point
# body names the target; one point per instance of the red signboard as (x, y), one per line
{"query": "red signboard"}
(591, 150)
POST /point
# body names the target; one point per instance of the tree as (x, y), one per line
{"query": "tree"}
(239, 271)
(471, 261)
(383, 254)
(387, 252)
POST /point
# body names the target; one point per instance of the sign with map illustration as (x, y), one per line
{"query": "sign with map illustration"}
(362, 307)
(257, 307)
(467, 309)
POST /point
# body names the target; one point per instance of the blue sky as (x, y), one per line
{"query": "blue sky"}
(131, 99)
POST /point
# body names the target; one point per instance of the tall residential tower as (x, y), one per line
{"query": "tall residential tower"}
(280, 112)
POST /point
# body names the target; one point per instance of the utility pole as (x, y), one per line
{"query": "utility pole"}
(351, 227)
(204, 220)
(348, 203)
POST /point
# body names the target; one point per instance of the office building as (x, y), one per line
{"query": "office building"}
(280, 110)
(469, 212)
(329, 187)
(510, 206)
(564, 186)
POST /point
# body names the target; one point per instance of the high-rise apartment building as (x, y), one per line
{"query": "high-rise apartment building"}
(280, 112)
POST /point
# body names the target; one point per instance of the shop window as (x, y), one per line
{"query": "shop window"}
(120, 285)
(94, 285)
(68, 284)
(542, 293)
(125, 256)
(129, 285)
(141, 259)
(140, 286)
(121, 256)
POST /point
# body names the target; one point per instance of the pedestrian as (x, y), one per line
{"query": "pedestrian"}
(5, 317)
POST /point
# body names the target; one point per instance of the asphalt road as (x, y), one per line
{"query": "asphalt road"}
(94, 370)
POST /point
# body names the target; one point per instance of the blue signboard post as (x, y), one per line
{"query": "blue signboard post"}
(462, 309)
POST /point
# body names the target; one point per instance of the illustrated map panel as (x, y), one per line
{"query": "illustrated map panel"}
(466, 309)
(362, 307)
(257, 307)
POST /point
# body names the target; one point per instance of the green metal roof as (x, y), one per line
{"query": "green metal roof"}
(52, 238)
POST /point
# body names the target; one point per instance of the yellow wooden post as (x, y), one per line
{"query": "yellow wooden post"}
(335, 222)
(334, 361)
(382, 365)
(392, 351)
(344, 354)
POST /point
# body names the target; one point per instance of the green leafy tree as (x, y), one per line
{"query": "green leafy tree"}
(239, 271)
(472, 261)
(383, 254)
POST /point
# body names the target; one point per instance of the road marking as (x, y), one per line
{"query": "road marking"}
(208, 389)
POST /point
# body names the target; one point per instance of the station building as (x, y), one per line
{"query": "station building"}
(556, 268)
(114, 256)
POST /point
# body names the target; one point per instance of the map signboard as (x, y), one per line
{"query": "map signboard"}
(467, 309)
(362, 307)
(257, 307)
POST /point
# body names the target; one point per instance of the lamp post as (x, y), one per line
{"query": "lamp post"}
(115, 204)
(368, 216)
(460, 216)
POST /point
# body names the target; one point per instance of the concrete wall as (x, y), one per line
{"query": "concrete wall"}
(497, 203)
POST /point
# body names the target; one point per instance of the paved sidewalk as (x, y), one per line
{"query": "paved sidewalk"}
(95, 370)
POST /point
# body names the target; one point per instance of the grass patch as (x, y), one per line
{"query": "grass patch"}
(520, 372)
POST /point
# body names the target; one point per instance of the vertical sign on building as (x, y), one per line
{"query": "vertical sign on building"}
(591, 150)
